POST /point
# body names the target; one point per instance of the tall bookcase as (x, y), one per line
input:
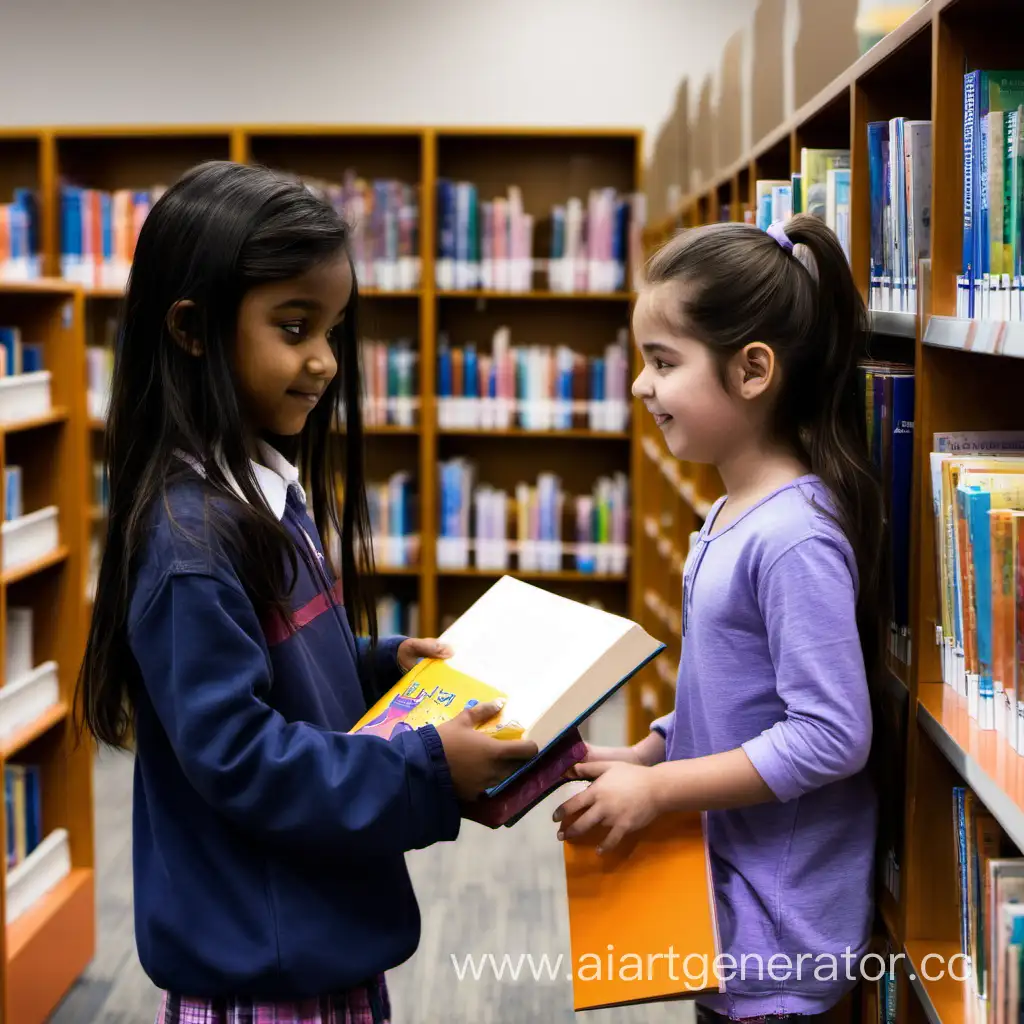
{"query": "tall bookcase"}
(50, 928)
(965, 379)
(546, 165)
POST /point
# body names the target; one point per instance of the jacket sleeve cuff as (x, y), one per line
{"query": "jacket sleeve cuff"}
(440, 818)
(771, 766)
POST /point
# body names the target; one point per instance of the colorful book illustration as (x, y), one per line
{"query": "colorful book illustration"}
(553, 661)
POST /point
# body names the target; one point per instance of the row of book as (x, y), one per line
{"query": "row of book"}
(23, 800)
(990, 285)
(977, 490)
(821, 187)
(392, 506)
(390, 388)
(484, 526)
(990, 895)
(900, 188)
(13, 502)
(887, 390)
(533, 387)
(490, 244)
(397, 617)
(98, 232)
(16, 355)
(385, 218)
(19, 237)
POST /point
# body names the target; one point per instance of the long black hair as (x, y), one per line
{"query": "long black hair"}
(742, 286)
(220, 230)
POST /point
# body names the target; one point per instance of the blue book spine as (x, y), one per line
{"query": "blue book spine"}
(971, 83)
(981, 554)
(902, 489)
(470, 372)
(444, 373)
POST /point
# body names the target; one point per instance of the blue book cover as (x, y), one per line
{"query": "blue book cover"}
(902, 489)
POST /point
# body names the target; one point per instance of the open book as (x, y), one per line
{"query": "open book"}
(552, 659)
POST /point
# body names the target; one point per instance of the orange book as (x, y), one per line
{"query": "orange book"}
(625, 947)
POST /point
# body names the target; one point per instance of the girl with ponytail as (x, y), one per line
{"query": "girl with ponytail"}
(750, 343)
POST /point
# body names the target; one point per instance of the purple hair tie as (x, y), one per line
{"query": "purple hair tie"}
(779, 234)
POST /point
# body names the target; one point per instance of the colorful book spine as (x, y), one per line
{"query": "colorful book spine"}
(23, 800)
(19, 237)
(532, 387)
(98, 232)
(14, 507)
(385, 218)
(392, 505)
(887, 391)
(16, 355)
(989, 285)
(396, 617)
(900, 171)
(595, 244)
(390, 387)
(488, 528)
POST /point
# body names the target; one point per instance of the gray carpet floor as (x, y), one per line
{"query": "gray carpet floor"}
(493, 892)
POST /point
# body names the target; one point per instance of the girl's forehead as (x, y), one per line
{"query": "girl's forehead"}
(659, 307)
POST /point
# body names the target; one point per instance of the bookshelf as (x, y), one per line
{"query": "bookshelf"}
(48, 895)
(968, 376)
(408, 305)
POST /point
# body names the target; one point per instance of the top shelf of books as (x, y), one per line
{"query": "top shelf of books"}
(511, 212)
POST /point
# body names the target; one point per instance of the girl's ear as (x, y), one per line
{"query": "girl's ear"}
(753, 370)
(181, 322)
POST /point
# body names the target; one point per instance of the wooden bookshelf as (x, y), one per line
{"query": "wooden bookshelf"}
(968, 376)
(49, 944)
(549, 165)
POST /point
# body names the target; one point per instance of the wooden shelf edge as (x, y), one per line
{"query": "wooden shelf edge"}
(567, 575)
(39, 286)
(58, 414)
(576, 434)
(536, 295)
(981, 756)
(22, 931)
(946, 1000)
(22, 737)
(22, 572)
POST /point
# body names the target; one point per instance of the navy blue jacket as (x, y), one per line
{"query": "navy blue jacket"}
(268, 844)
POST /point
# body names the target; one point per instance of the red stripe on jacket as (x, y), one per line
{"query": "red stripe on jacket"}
(277, 629)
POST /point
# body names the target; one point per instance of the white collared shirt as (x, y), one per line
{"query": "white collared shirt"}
(273, 476)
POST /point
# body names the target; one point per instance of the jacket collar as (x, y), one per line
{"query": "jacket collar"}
(274, 476)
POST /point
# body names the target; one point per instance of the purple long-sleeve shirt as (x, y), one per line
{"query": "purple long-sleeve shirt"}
(771, 662)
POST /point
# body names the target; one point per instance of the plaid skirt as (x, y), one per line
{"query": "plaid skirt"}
(359, 1006)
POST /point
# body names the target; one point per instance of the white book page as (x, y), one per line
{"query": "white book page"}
(530, 643)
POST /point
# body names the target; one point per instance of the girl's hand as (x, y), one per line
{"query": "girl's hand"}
(477, 761)
(628, 754)
(621, 798)
(411, 650)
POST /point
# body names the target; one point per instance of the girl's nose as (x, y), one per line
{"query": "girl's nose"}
(640, 387)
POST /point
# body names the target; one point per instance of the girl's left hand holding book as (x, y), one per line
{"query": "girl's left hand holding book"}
(621, 798)
(412, 649)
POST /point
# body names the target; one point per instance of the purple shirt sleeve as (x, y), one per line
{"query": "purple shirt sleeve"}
(665, 726)
(807, 599)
